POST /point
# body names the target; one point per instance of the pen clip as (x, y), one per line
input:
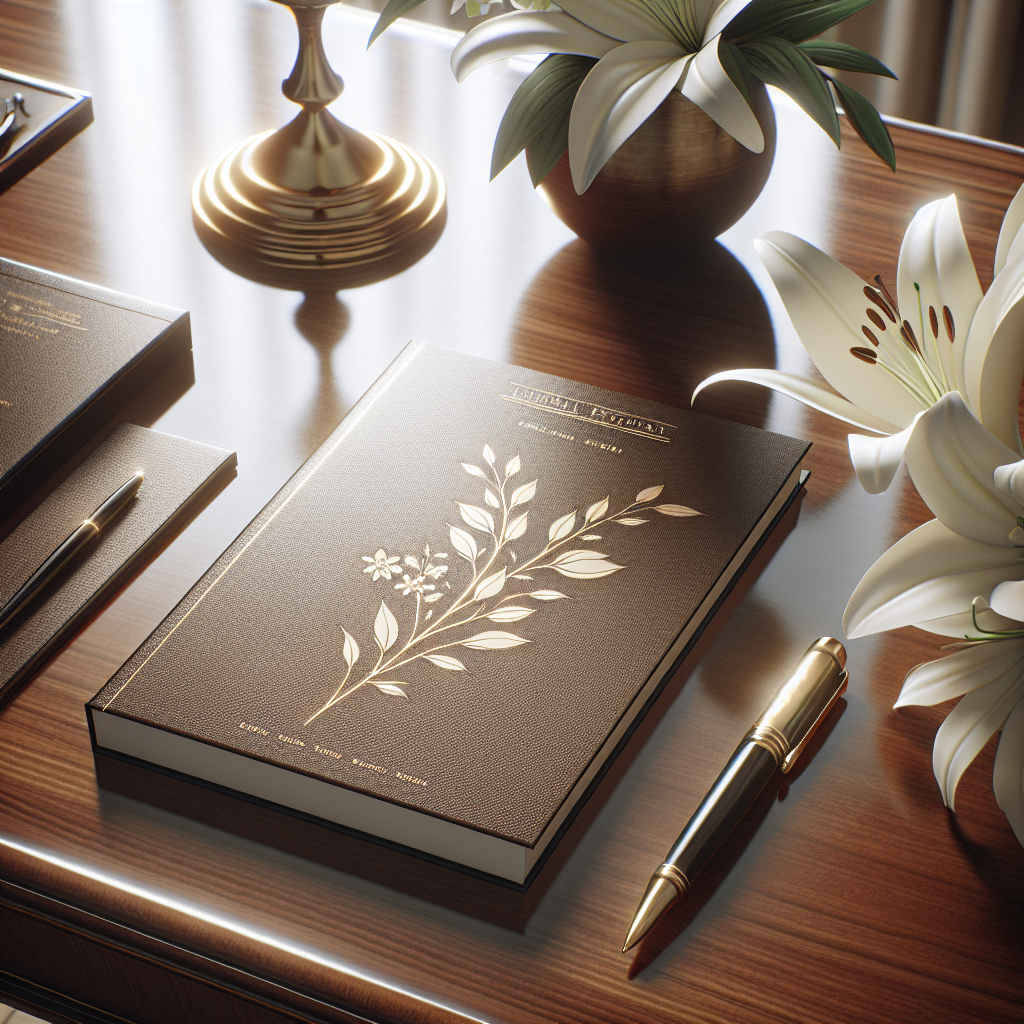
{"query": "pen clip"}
(790, 758)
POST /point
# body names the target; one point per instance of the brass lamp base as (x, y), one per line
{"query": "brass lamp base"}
(316, 205)
(320, 239)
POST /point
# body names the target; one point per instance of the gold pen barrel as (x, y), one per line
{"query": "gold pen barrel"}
(802, 702)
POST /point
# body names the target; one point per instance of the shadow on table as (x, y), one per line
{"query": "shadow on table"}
(679, 917)
(651, 326)
(323, 319)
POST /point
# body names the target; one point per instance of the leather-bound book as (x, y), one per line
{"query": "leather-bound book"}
(71, 355)
(441, 628)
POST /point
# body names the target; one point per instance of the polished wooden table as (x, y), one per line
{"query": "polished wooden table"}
(851, 894)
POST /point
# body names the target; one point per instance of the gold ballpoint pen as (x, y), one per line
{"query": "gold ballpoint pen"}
(774, 741)
(68, 548)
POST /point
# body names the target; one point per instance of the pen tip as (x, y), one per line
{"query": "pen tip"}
(660, 895)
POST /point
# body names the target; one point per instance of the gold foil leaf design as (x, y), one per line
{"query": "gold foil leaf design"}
(463, 542)
(584, 565)
(385, 628)
(350, 650)
(444, 661)
(480, 595)
(479, 518)
(517, 527)
(493, 640)
(510, 614)
(647, 494)
(598, 509)
(521, 495)
(561, 528)
(489, 586)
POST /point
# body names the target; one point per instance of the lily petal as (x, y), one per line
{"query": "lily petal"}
(519, 32)
(624, 20)
(970, 725)
(1008, 771)
(952, 458)
(826, 303)
(994, 356)
(1010, 480)
(805, 390)
(1009, 231)
(953, 676)
(876, 459)
(725, 13)
(708, 85)
(622, 90)
(1016, 248)
(934, 255)
(1008, 599)
(960, 624)
(930, 573)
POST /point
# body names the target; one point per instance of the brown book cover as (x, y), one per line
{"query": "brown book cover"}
(71, 355)
(441, 627)
(179, 476)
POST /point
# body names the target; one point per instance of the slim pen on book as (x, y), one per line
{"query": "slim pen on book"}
(774, 741)
(66, 551)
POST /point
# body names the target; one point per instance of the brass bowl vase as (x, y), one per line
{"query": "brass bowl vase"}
(677, 180)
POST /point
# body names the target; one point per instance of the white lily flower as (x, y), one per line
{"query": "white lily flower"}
(645, 48)
(961, 575)
(891, 357)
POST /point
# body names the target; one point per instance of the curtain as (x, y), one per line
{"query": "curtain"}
(960, 62)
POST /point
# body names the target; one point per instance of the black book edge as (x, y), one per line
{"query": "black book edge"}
(581, 802)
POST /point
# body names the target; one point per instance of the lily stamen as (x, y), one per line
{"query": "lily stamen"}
(888, 298)
(876, 319)
(879, 302)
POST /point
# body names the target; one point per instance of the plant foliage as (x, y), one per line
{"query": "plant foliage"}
(538, 115)
(769, 40)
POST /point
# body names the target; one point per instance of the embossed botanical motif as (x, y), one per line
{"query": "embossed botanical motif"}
(500, 587)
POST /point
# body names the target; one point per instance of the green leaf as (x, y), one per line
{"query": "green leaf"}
(394, 10)
(731, 58)
(793, 20)
(843, 57)
(780, 63)
(866, 122)
(538, 115)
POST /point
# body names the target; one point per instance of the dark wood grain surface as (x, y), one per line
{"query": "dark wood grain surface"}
(849, 895)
